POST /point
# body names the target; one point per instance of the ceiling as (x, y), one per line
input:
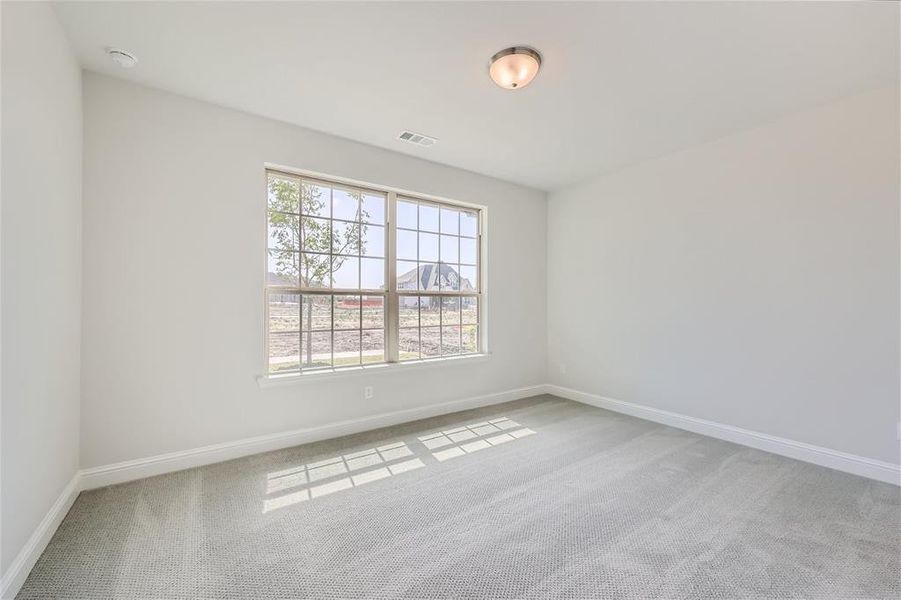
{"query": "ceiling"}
(621, 82)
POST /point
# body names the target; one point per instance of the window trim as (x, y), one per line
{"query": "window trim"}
(391, 294)
(386, 368)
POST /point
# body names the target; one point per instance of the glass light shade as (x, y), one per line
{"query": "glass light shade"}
(514, 68)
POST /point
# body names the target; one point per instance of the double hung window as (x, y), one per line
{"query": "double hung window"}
(358, 276)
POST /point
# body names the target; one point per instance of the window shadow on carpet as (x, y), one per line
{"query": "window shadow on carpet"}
(306, 482)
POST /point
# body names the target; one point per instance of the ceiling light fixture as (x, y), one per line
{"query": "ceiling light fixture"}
(124, 59)
(514, 68)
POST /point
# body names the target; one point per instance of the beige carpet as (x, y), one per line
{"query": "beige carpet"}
(540, 498)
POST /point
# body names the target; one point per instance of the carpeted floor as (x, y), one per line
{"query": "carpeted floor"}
(539, 498)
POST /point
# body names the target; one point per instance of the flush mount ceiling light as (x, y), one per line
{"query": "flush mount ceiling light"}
(124, 59)
(514, 68)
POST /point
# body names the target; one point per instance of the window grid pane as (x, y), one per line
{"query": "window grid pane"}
(455, 232)
(339, 225)
(373, 347)
(448, 325)
(409, 343)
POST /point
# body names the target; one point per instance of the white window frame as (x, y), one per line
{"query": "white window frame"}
(391, 294)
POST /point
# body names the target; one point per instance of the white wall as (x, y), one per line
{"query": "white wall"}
(752, 281)
(41, 268)
(174, 218)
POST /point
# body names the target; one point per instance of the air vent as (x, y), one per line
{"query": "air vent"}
(417, 138)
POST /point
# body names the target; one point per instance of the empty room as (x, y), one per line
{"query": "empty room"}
(450, 300)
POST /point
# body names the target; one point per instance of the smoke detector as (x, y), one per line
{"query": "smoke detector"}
(124, 59)
(417, 138)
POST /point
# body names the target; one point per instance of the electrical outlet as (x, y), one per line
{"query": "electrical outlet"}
(563, 368)
(368, 392)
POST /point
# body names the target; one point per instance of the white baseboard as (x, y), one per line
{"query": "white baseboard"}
(20, 568)
(841, 461)
(176, 461)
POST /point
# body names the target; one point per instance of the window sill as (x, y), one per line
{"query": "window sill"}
(269, 381)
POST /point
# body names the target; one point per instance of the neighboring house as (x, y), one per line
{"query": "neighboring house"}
(440, 276)
(431, 276)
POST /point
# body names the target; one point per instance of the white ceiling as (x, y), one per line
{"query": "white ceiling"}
(621, 81)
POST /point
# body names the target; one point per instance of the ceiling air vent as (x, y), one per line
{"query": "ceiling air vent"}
(417, 138)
